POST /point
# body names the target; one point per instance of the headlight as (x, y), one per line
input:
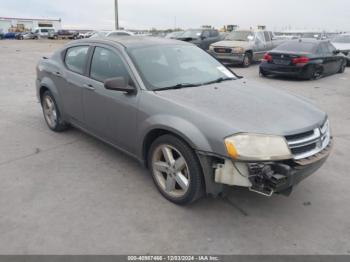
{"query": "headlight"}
(256, 147)
(238, 50)
(211, 48)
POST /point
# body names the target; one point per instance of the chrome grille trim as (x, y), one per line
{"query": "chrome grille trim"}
(320, 138)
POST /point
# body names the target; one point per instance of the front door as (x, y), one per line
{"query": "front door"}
(110, 114)
(259, 46)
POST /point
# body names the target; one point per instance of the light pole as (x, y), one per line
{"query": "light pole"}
(116, 14)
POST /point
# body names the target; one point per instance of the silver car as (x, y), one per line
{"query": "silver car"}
(197, 127)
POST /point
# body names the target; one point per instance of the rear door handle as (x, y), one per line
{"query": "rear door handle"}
(89, 87)
(57, 74)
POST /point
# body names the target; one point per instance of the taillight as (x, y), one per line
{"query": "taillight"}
(268, 57)
(301, 60)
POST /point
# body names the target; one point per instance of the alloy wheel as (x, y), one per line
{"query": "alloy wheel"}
(50, 111)
(171, 171)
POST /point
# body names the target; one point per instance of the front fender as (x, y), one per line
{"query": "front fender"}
(176, 125)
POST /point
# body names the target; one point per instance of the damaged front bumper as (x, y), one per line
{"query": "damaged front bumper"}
(267, 178)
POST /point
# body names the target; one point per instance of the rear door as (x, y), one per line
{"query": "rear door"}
(329, 60)
(73, 79)
(110, 114)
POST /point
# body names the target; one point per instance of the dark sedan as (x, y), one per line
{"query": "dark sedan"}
(303, 58)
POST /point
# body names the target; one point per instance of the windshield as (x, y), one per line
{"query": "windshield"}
(342, 39)
(166, 66)
(192, 34)
(239, 36)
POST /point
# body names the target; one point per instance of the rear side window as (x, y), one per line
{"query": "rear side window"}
(106, 64)
(76, 58)
(330, 47)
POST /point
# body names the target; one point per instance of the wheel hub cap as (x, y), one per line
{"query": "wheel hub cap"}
(171, 171)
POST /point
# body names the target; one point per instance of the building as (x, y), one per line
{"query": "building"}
(15, 24)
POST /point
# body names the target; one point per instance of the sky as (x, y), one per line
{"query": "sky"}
(164, 14)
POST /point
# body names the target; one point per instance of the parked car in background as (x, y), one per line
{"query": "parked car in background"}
(304, 58)
(198, 127)
(119, 33)
(202, 38)
(26, 36)
(342, 43)
(63, 34)
(87, 34)
(174, 35)
(99, 34)
(43, 32)
(10, 35)
(244, 46)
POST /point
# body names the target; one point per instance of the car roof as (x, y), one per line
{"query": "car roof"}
(134, 41)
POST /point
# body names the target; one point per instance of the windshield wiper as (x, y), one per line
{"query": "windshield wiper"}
(219, 80)
(177, 86)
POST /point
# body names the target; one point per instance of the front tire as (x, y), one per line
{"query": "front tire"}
(342, 67)
(175, 169)
(52, 113)
(247, 60)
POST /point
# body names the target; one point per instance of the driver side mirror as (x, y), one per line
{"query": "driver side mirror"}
(336, 52)
(119, 84)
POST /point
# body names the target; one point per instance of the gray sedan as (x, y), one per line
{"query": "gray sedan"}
(197, 127)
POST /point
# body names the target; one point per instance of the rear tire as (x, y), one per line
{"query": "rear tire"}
(313, 73)
(175, 170)
(262, 73)
(52, 113)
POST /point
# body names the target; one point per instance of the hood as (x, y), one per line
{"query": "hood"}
(227, 43)
(242, 106)
(342, 46)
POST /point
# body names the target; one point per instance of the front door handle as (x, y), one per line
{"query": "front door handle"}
(89, 87)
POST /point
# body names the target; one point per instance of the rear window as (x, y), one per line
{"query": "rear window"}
(297, 46)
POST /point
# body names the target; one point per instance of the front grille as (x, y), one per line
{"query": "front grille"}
(309, 143)
(222, 50)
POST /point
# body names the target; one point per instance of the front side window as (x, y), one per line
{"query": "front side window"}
(107, 64)
(168, 65)
(206, 34)
(76, 58)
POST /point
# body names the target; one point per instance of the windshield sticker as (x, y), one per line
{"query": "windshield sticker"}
(227, 72)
